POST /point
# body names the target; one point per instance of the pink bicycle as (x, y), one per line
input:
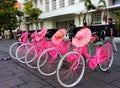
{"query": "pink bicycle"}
(58, 47)
(23, 39)
(71, 66)
(21, 49)
(35, 51)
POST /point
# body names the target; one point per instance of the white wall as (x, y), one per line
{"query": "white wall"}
(49, 24)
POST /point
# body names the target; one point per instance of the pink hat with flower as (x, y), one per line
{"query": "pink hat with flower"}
(59, 36)
(41, 34)
(82, 37)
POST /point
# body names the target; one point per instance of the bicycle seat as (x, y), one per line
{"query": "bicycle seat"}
(100, 43)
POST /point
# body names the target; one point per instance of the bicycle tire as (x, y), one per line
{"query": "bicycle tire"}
(21, 52)
(31, 53)
(13, 49)
(108, 51)
(48, 69)
(68, 72)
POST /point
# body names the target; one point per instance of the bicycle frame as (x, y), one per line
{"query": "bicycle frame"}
(94, 60)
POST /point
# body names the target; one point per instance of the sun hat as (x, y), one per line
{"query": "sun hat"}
(82, 37)
(59, 36)
(41, 34)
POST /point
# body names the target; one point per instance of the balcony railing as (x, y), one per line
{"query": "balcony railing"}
(71, 2)
(53, 5)
(47, 8)
(47, 5)
(62, 4)
(81, 0)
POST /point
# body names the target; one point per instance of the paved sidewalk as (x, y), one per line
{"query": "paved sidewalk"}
(16, 75)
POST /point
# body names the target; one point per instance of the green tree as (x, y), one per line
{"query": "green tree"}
(33, 12)
(19, 15)
(8, 15)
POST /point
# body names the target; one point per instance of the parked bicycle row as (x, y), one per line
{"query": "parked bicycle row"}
(62, 57)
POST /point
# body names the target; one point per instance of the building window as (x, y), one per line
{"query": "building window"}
(71, 2)
(81, 0)
(116, 2)
(53, 4)
(47, 5)
(41, 2)
(62, 4)
(97, 18)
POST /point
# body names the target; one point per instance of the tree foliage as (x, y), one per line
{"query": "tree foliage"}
(8, 15)
(32, 11)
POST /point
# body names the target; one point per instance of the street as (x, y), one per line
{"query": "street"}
(16, 75)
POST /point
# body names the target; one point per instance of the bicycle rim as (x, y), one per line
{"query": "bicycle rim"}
(31, 58)
(21, 52)
(65, 75)
(13, 49)
(48, 68)
(106, 53)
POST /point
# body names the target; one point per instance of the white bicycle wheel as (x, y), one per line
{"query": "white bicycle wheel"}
(13, 49)
(21, 52)
(106, 56)
(66, 76)
(49, 66)
(31, 57)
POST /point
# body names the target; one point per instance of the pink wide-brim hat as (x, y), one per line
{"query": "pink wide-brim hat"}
(41, 34)
(82, 37)
(59, 36)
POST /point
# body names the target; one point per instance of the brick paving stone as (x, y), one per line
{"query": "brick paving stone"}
(11, 82)
(30, 78)
(107, 77)
(117, 69)
(32, 85)
(109, 86)
(93, 83)
(117, 82)
(4, 75)
(49, 87)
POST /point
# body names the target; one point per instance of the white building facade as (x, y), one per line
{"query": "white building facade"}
(59, 13)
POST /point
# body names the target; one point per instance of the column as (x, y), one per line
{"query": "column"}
(57, 4)
(50, 5)
(38, 3)
(43, 6)
(76, 1)
(66, 3)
